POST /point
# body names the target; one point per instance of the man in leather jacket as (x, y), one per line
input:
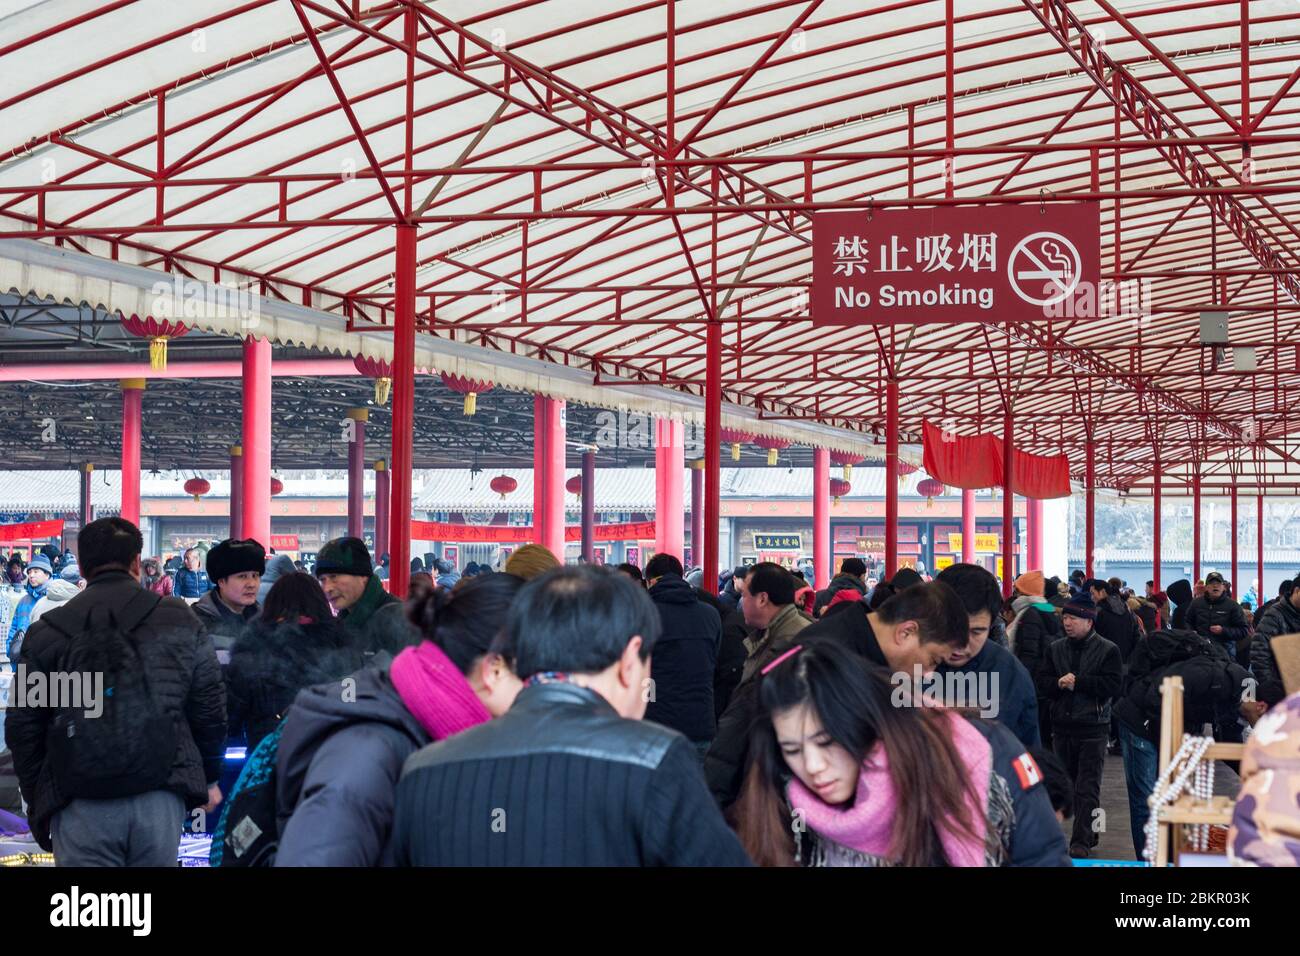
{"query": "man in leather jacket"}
(570, 775)
(1081, 673)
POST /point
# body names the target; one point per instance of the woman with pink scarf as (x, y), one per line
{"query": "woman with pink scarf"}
(845, 773)
(344, 743)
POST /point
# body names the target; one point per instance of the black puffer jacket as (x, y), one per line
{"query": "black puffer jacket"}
(271, 662)
(221, 624)
(1282, 617)
(684, 660)
(340, 757)
(1098, 677)
(183, 674)
(1212, 684)
(1119, 625)
(1225, 612)
(1036, 629)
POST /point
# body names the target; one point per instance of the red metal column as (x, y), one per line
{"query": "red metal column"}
(669, 507)
(589, 506)
(1089, 507)
(132, 427)
(1232, 536)
(86, 515)
(1008, 507)
(891, 477)
(712, 454)
(357, 473)
(383, 496)
(1196, 527)
(257, 440)
(548, 474)
(1259, 549)
(399, 519)
(1156, 538)
(1034, 534)
(697, 512)
(236, 490)
(821, 517)
(968, 525)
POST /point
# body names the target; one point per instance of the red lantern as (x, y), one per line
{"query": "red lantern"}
(839, 488)
(905, 468)
(380, 371)
(931, 488)
(503, 485)
(773, 445)
(198, 487)
(469, 387)
(846, 459)
(277, 486)
(574, 485)
(157, 331)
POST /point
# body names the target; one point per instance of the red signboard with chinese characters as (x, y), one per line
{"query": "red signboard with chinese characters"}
(284, 542)
(502, 534)
(953, 263)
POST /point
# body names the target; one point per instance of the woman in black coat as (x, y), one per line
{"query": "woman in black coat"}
(294, 643)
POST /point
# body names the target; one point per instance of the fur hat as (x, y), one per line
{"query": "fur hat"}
(233, 556)
(1081, 605)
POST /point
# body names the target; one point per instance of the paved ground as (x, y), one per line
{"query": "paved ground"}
(1116, 840)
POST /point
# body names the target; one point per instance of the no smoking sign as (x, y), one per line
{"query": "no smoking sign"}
(953, 264)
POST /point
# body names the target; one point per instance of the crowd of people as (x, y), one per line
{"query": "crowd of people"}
(546, 714)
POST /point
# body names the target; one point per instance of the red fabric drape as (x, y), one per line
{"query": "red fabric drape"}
(975, 461)
(963, 461)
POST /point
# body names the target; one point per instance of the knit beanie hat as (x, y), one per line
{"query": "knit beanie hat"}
(235, 555)
(344, 556)
(531, 561)
(42, 562)
(1031, 583)
(1081, 605)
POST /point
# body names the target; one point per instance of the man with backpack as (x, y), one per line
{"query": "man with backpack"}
(1213, 685)
(108, 778)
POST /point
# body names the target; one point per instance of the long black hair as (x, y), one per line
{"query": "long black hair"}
(296, 596)
(854, 700)
(466, 622)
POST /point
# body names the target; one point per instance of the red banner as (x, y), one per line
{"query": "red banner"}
(284, 542)
(975, 461)
(501, 534)
(31, 529)
(954, 263)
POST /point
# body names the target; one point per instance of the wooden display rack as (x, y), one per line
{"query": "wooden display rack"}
(1187, 810)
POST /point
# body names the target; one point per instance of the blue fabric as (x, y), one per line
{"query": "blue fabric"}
(191, 584)
(1141, 764)
(1014, 693)
(23, 615)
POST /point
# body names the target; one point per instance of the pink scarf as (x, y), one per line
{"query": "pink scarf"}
(435, 691)
(867, 825)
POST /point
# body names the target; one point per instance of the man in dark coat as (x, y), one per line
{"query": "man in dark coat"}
(375, 619)
(1014, 701)
(235, 567)
(620, 791)
(1080, 675)
(851, 577)
(1212, 689)
(1180, 593)
(133, 828)
(1115, 622)
(1281, 617)
(1217, 616)
(686, 656)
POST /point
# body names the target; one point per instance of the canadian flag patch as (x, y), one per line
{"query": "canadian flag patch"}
(1027, 770)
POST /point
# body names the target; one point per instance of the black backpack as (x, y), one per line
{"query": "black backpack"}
(130, 747)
